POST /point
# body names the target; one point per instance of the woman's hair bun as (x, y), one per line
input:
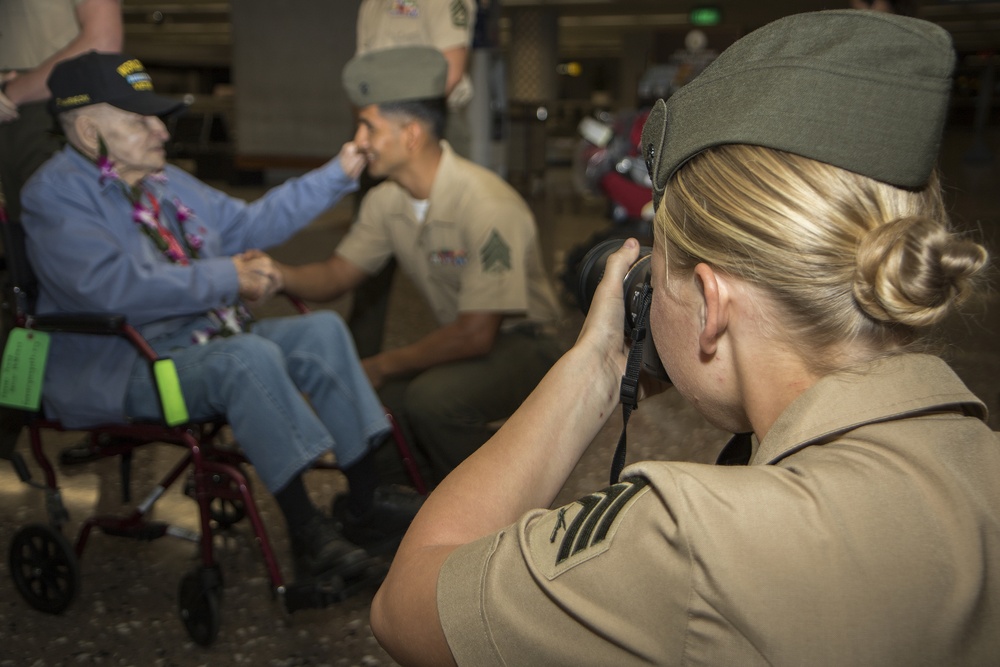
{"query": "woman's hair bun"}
(913, 270)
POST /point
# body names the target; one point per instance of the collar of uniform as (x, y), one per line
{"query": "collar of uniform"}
(439, 190)
(889, 389)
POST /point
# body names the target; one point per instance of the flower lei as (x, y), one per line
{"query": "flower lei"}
(226, 321)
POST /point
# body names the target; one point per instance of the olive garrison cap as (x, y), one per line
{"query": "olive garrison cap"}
(395, 75)
(864, 91)
(109, 78)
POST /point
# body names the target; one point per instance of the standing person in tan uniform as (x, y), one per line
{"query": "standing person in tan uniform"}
(801, 245)
(34, 36)
(469, 243)
(448, 26)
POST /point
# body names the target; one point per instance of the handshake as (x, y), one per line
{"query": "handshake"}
(258, 276)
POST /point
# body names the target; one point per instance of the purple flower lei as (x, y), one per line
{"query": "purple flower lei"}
(226, 321)
(148, 217)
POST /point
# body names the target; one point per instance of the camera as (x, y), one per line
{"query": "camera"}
(635, 286)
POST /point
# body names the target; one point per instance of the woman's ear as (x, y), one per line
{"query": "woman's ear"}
(714, 291)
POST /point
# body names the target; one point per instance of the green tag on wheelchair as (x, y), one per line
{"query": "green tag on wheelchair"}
(23, 369)
(169, 385)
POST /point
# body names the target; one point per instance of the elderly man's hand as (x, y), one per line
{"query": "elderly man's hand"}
(352, 160)
(258, 278)
(8, 110)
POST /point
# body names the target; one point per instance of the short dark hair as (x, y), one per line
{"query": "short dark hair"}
(432, 112)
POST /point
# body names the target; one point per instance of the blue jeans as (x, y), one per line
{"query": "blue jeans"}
(258, 382)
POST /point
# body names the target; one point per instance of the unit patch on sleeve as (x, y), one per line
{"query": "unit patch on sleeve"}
(578, 532)
(459, 13)
(495, 254)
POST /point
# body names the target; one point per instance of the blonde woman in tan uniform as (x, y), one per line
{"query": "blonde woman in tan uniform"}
(801, 245)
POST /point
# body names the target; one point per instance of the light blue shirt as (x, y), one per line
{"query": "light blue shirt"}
(90, 256)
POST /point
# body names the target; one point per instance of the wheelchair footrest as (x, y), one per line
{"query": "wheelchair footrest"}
(146, 531)
(320, 593)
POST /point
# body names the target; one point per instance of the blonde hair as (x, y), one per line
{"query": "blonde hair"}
(845, 258)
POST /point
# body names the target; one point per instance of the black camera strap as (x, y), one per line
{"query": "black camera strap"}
(630, 381)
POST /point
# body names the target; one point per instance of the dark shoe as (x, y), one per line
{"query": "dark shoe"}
(321, 551)
(382, 527)
(81, 452)
(91, 448)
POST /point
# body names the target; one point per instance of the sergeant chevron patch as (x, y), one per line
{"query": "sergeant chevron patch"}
(495, 254)
(459, 13)
(582, 530)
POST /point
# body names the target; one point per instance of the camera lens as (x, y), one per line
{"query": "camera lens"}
(591, 273)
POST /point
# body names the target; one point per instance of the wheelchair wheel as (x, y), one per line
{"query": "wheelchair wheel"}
(45, 568)
(225, 511)
(200, 594)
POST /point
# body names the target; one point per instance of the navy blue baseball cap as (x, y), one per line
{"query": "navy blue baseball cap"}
(109, 78)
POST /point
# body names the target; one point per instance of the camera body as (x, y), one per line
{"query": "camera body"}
(636, 285)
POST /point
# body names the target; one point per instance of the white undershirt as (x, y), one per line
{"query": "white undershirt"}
(420, 208)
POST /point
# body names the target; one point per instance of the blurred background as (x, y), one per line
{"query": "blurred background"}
(264, 77)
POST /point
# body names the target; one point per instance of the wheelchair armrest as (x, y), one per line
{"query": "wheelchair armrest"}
(298, 304)
(101, 324)
(84, 323)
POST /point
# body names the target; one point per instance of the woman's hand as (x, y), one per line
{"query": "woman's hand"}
(603, 332)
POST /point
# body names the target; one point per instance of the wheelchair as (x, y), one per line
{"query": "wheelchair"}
(44, 564)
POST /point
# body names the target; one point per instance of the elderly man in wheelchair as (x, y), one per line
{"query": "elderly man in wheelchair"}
(111, 227)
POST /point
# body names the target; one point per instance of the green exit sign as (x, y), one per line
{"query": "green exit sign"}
(702, 16)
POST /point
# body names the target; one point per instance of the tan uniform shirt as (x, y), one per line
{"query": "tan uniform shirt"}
(32, 30)
(865, 531)
(477, 250)
(443, 24)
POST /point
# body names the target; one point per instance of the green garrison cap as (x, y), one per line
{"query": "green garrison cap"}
(864, 91)
(395, 75)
